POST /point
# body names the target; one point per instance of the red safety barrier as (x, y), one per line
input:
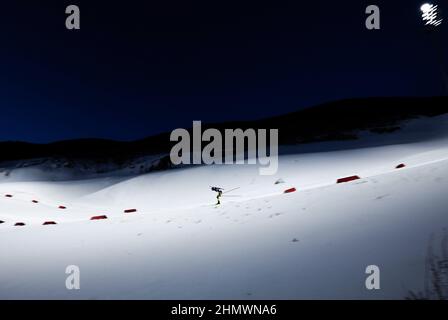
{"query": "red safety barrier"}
(19, 224)
(8, 195)
(401, 165)
(348, 179)
(34, 201)
(290, 190)
(62, 207)
(98, 217)
(46, 223)
(130, 210)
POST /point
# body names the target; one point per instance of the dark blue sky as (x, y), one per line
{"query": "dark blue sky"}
(141, 67)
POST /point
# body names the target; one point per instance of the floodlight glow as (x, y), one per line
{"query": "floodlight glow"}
(426, 7)
(431, 15)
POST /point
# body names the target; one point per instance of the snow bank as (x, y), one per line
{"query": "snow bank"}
(260, 243)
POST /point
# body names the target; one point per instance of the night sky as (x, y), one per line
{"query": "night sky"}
(141, 67)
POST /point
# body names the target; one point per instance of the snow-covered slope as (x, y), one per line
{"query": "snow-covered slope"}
(62, 169)
(260, 243)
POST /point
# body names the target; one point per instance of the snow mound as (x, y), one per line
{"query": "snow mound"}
(260, 243)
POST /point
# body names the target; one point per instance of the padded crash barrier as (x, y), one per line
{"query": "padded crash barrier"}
(99, 217)
(130, 210)
(401, 165)
(347, 179)
(290, 190)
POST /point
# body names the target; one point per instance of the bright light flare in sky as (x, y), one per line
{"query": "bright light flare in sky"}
(430, 15)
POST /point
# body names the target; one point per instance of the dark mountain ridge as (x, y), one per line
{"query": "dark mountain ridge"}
(337, 120)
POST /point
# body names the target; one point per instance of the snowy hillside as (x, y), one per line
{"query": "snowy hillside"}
(260, 243)
(62, 169)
